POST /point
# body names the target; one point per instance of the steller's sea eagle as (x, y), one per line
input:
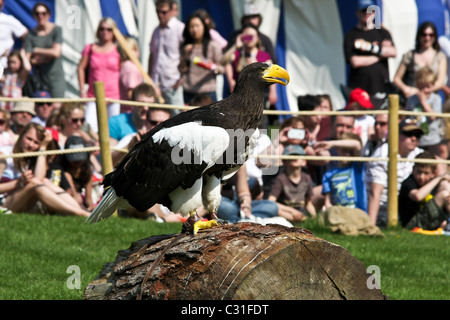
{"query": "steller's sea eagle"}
(182, 162)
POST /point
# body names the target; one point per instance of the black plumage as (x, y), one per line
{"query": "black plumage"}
(181, 162)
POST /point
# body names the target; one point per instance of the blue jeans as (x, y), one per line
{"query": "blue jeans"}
(229, 210)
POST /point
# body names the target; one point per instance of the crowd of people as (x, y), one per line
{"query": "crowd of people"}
(188, 63)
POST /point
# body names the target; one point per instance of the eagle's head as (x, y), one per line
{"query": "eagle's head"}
(264, 74)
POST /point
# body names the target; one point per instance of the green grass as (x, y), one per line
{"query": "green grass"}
(37, 251)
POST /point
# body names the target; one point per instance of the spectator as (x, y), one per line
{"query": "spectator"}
(30, 191)
(130, 76)
(11, 29)
(367, 51)
(377, 171)
(254, 17)
(344, 185)
(103, 62)
(215, 35)
(43, 45)
(199, 62)
(43, 109)
(364, 124)
(79, 172)
(14, 77)
(425, 100)
(7, 137)
(21, 115)
(325, 121)
(165, 53)
(444, 44)
(426, 53)
(137, 121)
(380, 135)
(250, 52)
(237, 203)
(292, 189)
(425, 197)
(72, 122)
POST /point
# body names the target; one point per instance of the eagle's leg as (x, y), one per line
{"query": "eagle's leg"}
(213, 216)
(195, 223)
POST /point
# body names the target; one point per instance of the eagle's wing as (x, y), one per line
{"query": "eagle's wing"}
(170, 158)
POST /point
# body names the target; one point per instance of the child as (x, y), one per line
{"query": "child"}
(344, 185)
(424, 198)
(427, 101)
(14, 77)
(364, 124)
(292, 188)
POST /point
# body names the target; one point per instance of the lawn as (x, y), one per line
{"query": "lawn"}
(40, 255)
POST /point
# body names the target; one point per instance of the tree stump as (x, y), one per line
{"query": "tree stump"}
(243, 261)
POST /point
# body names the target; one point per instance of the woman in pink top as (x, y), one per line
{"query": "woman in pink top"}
(103, 60)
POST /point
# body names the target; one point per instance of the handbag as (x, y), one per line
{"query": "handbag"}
(86, 70)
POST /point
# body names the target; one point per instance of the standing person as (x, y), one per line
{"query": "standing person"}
(364, 124)
(103, 61)
(10, 30)
(366, 51)
(250, 52)
(252, 16)
(426, 53)
(165, 53)
(43, 45)
(425, 100)
(130, 76)
(30, 191)
(200, 60)
(377, 171)
(14, 77)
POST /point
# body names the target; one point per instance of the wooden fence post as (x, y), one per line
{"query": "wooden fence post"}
(103, 129)
(392, 164)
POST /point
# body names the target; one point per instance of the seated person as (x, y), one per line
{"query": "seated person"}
(424, 199)
(344, 185)
(292, 188)
(29, 190)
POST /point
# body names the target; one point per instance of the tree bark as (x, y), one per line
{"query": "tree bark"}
(242, 261)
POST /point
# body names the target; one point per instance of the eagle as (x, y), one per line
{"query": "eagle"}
(183, 162)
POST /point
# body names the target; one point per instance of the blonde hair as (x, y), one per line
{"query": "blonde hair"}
(110, 22)
(425, 75)
(132, 44)
(25, 163)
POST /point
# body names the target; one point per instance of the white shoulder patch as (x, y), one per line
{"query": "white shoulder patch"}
(207, 142)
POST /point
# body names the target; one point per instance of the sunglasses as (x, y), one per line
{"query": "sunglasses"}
(411, 134)
(106, 29)
(76, 120)
(40, 13)
(162, 12)
(154, 123)
(381, 123)
(431, 35)
(41, 104)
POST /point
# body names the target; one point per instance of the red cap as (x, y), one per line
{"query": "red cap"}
(360, 96)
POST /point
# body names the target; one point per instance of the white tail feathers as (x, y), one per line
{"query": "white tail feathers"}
(107, 206)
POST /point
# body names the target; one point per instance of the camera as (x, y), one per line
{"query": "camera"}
(296, 134)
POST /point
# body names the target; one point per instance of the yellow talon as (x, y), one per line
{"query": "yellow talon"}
(204, 225)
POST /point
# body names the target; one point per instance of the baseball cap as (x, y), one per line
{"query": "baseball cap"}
(364, 4)
(408, 125)
(75, 142)
(24, 106)
(250, 9)
(293, 149)
(362, 97)
(42, 94)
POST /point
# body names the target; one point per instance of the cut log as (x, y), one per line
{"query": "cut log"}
(242, 261)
